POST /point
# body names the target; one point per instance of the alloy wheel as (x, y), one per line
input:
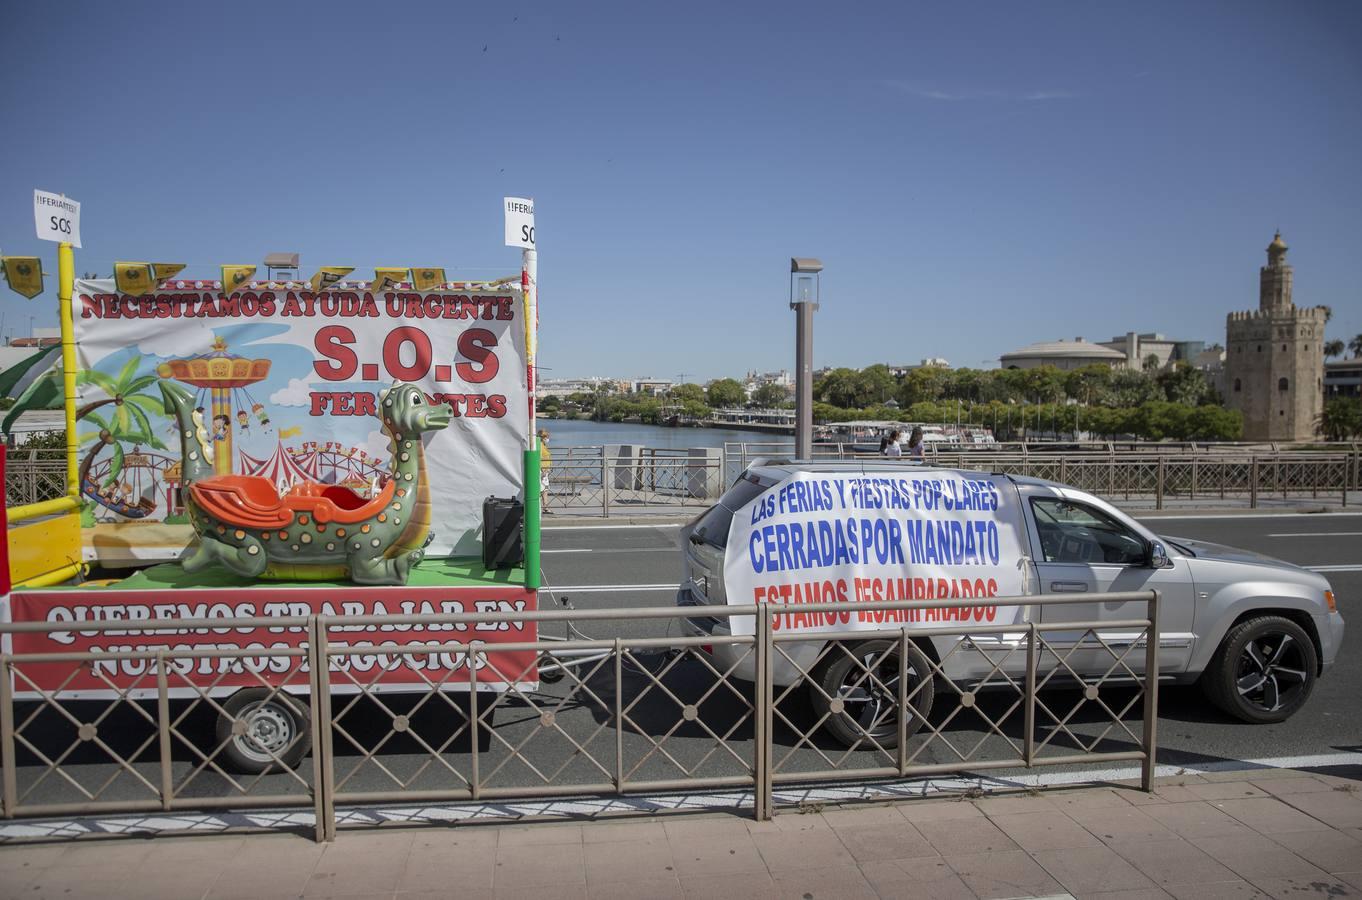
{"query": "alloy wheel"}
(1271, 671)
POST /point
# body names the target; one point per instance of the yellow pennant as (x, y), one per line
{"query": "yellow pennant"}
(327, 276)
(427, 279)
(162, 271)
(134, 278)
(385, 278)
(234, 277)
(24, 274)
(290, 432)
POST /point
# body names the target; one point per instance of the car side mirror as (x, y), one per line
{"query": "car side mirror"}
(1156, 556)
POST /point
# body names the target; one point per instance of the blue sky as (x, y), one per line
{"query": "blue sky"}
(975, 176)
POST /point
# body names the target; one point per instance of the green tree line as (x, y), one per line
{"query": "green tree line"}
(1177, 403)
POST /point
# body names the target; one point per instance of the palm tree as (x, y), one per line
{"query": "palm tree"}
(1333, 348)
(1341, 419)
(114, 434)
(130, 421)
(1355, 345)
(122, 391)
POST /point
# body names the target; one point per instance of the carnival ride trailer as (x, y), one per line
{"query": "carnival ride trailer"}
(241, 642)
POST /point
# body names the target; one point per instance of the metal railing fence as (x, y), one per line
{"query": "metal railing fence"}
(615, 479)
(32, 476)
(627, 479)
(1213, 474)
(630, 715)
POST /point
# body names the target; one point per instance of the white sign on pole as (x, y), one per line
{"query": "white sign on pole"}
(520, 223)
(57, 217)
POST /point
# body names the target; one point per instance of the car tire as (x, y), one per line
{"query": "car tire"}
(1263, 671)
(863, 706)
(269, 723)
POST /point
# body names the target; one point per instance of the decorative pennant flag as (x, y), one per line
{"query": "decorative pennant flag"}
(233, 277)
(327, 276)
(427, 279)
(290, 432)
(162, 271)
(133, 278)
(24, 274)
(385, 278)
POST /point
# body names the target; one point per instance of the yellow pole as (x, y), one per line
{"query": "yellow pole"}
(58, 576)
(66, 282)
(222, 450)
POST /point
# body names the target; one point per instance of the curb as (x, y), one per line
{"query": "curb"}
(615, 521)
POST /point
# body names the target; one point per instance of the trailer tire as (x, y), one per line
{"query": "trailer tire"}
(256, 728)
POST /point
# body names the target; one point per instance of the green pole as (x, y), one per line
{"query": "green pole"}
(532, 580)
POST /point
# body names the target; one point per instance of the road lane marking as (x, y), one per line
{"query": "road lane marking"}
(613, 550)
(1134, 514)
(1317, 534)
(609, 588)
(550, 526)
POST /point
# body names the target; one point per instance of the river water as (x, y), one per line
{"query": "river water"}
(583, 433)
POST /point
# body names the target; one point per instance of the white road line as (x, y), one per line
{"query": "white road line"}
(1135, 514)
(613, 550)
(1316, 534)
(609, 588)
(1350, 567)
(551, 527)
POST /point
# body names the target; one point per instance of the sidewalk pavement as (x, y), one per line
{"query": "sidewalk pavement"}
(1260, 833)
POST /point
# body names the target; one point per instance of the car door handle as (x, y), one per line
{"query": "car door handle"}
(1068, 586)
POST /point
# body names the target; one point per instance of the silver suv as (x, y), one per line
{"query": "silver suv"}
(1256, 632)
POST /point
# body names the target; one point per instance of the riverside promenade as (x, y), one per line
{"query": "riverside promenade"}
(1276, 833)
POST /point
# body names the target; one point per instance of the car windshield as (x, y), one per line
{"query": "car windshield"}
(712, 528)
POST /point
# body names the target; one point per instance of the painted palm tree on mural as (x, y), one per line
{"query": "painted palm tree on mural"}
(130, 421)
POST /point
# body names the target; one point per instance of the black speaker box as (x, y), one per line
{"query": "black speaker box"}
(502, 546)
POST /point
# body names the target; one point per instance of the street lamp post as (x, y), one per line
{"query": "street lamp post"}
(804, 295)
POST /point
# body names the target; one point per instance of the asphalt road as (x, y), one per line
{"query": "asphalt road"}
(595, 567)
(631, 566)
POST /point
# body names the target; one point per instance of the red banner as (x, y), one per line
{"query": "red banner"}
(388, 671)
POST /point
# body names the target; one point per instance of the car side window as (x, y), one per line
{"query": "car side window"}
(1072, 532)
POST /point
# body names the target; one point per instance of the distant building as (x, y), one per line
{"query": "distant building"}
(651, 385)
(1343, 378)
(562, 387)
(1063, 355)
(1165, 350)
(1274, 363)
(756, 379)
(931, 362)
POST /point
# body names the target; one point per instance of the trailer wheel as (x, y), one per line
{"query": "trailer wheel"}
(257, 728)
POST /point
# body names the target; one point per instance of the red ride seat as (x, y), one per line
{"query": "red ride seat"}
(249, 501)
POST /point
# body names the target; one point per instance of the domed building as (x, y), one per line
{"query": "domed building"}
(1063, 355)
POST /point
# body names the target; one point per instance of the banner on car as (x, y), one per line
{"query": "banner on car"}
(823, 537)
(287, 380)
